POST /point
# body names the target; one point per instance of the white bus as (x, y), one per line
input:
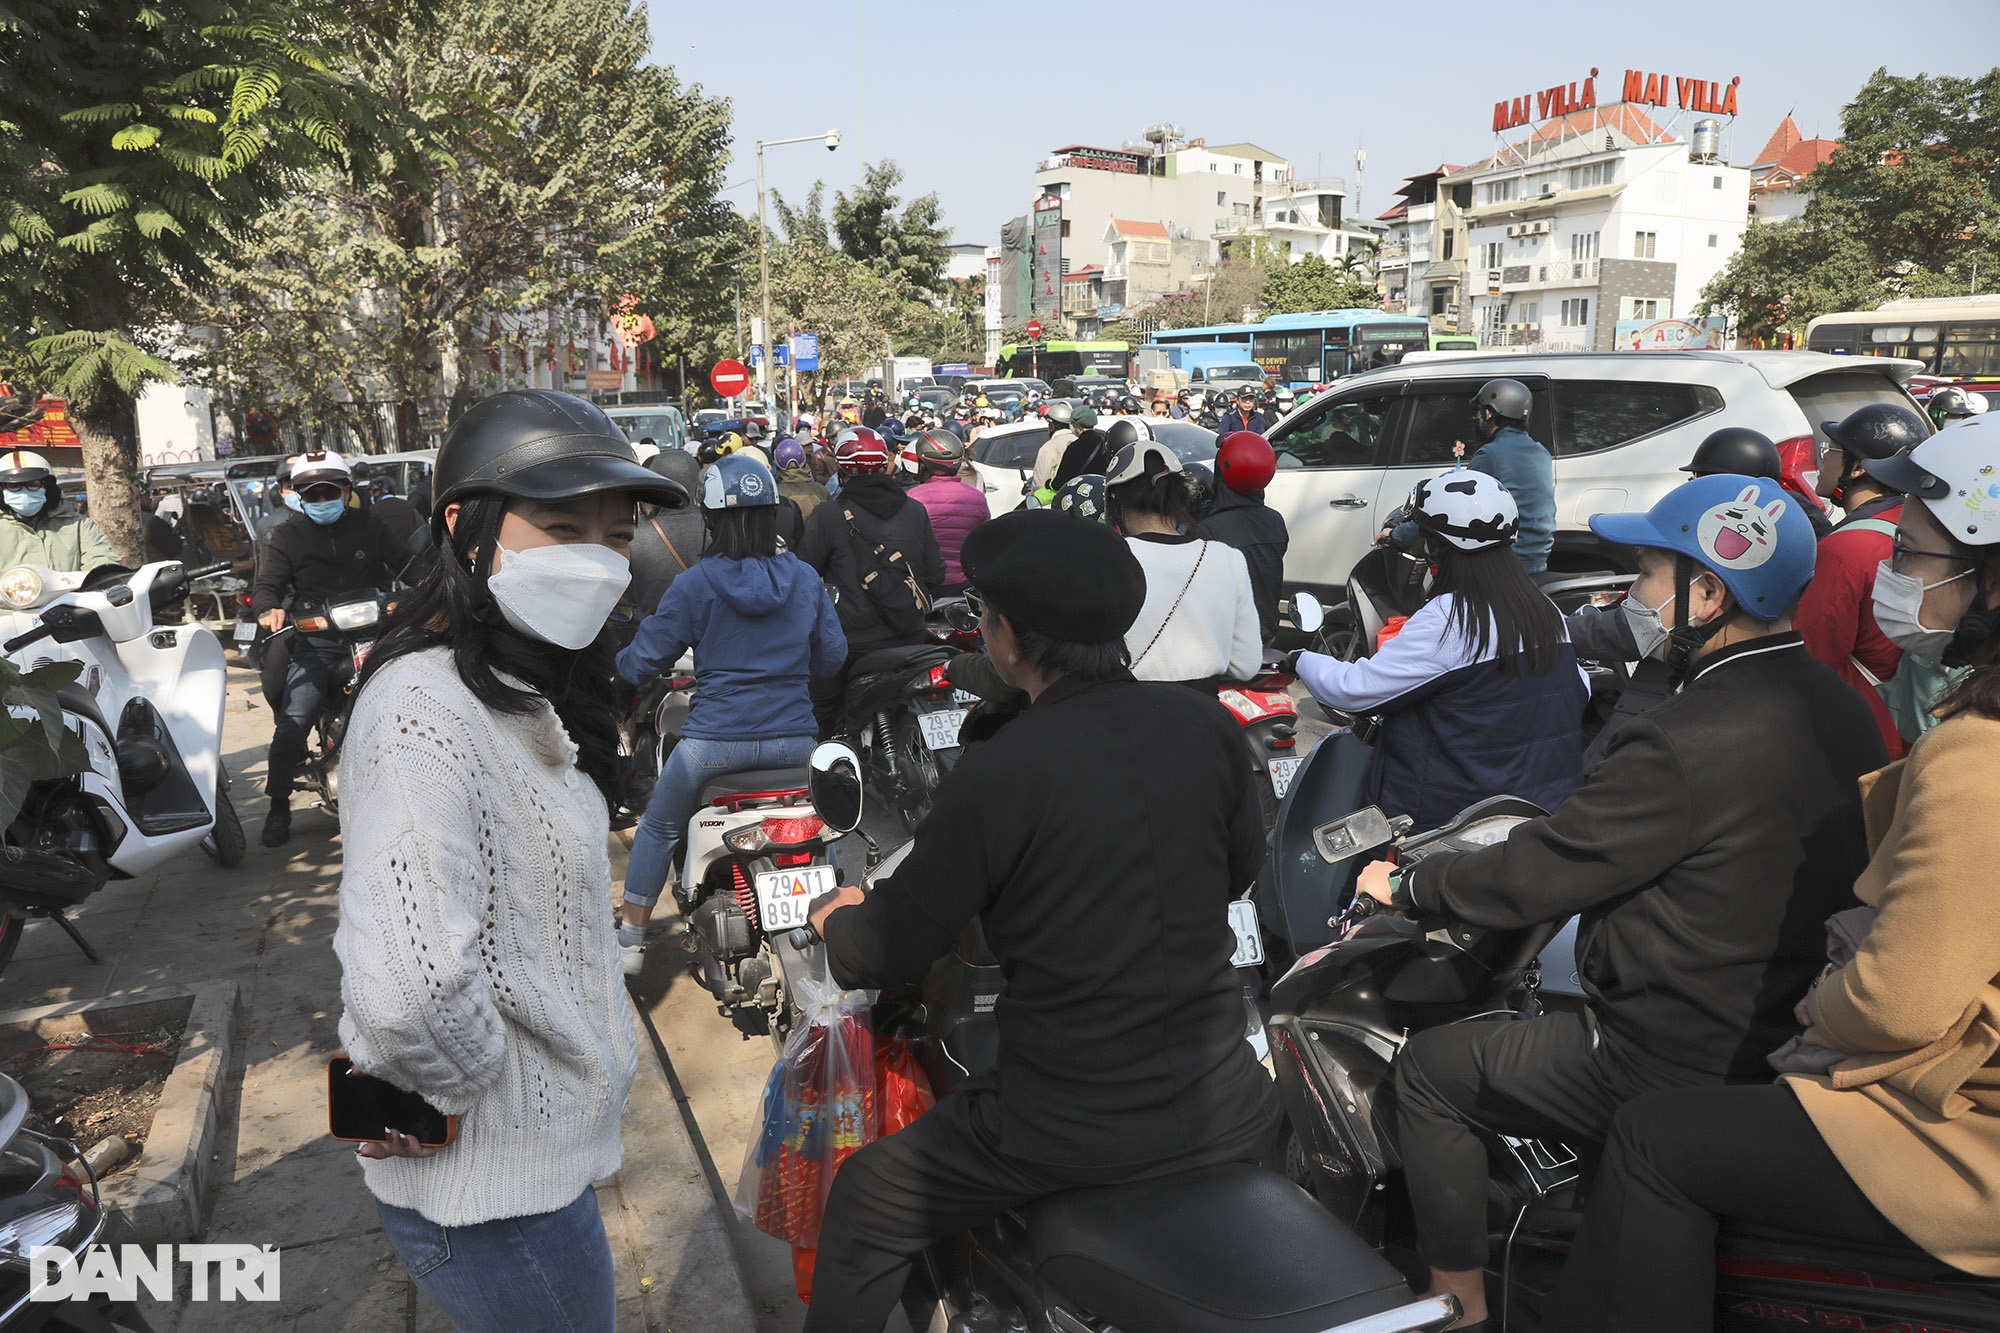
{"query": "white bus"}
(1957, 337)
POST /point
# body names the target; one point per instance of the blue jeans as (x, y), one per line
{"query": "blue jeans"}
(546, 1273)
(308, 675)
(691, 765)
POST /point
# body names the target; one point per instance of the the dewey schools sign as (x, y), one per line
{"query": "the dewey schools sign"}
(1640, 88)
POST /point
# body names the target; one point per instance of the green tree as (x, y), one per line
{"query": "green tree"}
(1314, 284)
(137, 137)
(1909, 205)
(908, 247)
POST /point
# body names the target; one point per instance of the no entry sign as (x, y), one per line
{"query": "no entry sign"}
(730, 378)
(1034, 328)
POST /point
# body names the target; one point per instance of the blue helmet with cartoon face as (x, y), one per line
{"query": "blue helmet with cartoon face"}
(1744, 530)
(738, 481)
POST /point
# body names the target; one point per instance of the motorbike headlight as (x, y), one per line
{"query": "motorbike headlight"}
(351, 616)
(21, 587)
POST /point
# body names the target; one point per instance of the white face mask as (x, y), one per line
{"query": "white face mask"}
(560, 594)
(1899, 604)
(1649, 632)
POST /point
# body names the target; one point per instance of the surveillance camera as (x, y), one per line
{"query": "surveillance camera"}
(832, 140)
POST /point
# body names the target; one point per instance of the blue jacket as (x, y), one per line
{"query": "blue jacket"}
(1457, 728)
(758, 628)
(1516, 461)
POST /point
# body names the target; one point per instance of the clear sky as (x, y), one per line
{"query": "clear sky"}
(967, 98)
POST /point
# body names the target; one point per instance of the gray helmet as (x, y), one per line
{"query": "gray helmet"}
(542, 445)
(1059, 413)
(1509, 399)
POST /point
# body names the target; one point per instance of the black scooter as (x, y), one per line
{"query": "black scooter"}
(1226, 1248)
(1341, 1014)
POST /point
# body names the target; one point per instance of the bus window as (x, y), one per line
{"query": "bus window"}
(1384, 345)
(1971, 351)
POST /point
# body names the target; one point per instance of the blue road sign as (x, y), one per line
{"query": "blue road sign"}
(805, 351)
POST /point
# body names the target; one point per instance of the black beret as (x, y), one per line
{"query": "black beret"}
(1065, 577)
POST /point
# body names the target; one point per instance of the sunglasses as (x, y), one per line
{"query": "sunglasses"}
(975, 603)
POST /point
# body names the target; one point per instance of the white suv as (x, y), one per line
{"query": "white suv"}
(1622, 425)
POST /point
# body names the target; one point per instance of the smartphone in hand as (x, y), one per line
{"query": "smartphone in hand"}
(363, 1109)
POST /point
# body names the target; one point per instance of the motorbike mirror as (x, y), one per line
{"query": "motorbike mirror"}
(835, 785)
(959, 616)
(1307, 614)
(1364, 830)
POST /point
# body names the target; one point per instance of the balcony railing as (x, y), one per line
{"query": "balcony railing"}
(1393, 253)
(1316, 185)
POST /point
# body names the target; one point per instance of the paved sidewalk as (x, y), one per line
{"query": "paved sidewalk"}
(268, 926)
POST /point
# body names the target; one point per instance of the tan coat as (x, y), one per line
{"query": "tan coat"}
(1914, 1112)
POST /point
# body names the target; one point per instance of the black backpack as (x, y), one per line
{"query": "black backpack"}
(888, 580)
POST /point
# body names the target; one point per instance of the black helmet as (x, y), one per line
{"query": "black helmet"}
(1509, 399)
(1201, 486)
(1738, 450)
(542, 445)
(1948, 402)
(1124, 431)
(1878, 430)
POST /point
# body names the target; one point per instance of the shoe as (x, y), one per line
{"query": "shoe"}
(631, 958)
(277, 827)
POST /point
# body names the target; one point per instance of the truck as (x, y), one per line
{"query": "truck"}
(893, 370)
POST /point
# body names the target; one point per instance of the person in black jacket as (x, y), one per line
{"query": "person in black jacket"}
(1244, 465)
(1703, 853)
(327, 549)
(1243, 416)
(1098, 839)
(839, 539)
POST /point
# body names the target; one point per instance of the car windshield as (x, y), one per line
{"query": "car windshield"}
(654, 426)
(1234, 371)
(1190, 443)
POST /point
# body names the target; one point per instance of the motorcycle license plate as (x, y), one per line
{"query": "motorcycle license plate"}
(941, 729)
(1281, 774)
(246, 630)
(965, 698)
(784, 897)
(1249, 939)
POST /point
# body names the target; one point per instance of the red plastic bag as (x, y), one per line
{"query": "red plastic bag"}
(902, 1090)
(1390, 630)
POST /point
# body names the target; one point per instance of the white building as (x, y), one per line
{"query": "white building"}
(1777, 176)
(1190, 198)
(1599, 216)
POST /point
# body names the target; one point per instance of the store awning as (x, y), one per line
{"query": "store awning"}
(1513, 208)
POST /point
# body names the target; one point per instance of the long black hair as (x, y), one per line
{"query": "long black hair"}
(742, 534)
(452, 608)
(1496, 605)
(1168, 496)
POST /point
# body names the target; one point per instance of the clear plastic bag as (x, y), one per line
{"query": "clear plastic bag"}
(820, 1108)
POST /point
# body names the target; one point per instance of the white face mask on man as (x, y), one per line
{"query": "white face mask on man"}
(562, 593)
(1899, 604)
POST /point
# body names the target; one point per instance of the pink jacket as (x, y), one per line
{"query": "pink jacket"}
(955, 509)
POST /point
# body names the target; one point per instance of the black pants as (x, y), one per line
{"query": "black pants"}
(309, 674)
(943, 1175)
(1547, 1078)
(1678, 1162)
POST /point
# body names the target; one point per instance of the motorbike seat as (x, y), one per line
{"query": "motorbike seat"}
(754, 779)
(1742, 1242)
(898, 657)
(1224, 1248)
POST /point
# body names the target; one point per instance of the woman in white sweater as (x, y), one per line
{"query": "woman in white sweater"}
(475, 933)
(1200, 618)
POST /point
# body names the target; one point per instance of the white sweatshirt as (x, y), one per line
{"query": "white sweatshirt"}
(475, 944)
(1214, 632)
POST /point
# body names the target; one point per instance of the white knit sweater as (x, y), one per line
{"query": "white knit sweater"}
(475, 942)
(1214, 632)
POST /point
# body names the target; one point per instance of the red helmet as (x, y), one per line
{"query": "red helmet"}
(859, 452)
(1244, 462)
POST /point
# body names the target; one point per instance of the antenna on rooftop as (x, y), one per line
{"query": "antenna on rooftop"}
(1360, 161)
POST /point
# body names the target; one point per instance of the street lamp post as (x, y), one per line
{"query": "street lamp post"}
(832, 140)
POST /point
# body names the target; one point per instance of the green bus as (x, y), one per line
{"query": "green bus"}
(1058, 360)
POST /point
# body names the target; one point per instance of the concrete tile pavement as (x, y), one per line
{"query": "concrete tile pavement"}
(268, 925)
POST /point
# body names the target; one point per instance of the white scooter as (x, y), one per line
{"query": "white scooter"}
(148, 709)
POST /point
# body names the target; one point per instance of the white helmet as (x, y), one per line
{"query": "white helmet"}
(1956, 473)
(1955, 404)
(319, 468)
(1469, 509)
(23, 467)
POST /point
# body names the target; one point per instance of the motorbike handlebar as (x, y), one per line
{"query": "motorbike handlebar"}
(21, 641)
